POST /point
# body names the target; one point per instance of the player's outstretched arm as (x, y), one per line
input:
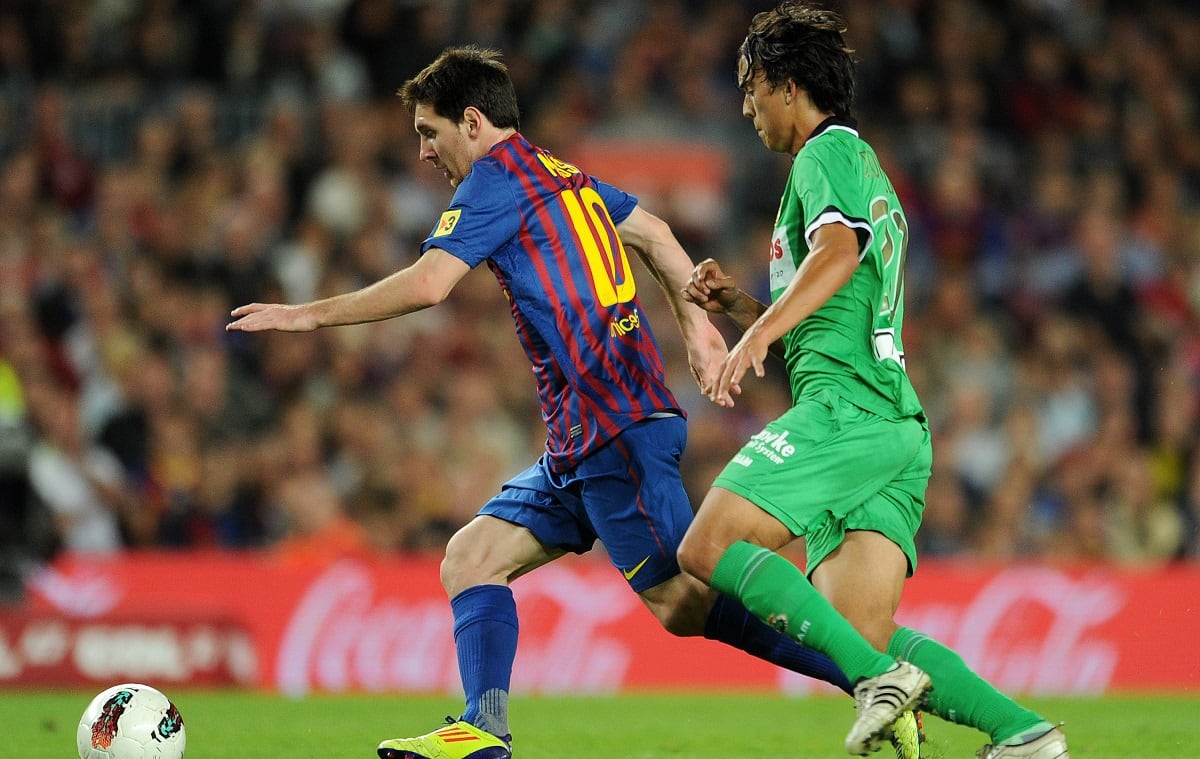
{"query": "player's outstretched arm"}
(426, 283)
(652, 240)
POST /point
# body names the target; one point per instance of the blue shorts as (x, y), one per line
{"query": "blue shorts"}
(628, 494)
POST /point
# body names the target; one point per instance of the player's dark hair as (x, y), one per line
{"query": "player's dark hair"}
(802, 43)
(461, 77)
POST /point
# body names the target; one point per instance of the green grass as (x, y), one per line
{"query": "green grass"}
(725, 726)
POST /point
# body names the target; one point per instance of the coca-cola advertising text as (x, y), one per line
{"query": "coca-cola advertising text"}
(385, 625)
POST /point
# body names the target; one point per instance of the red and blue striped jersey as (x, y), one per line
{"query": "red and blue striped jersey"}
(548, 233)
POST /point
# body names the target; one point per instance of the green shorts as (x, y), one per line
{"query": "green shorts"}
(827, 466)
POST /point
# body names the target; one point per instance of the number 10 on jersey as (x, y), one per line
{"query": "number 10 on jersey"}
(607, 263)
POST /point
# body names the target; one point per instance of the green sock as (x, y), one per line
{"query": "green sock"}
(959, 695)
(777, 592)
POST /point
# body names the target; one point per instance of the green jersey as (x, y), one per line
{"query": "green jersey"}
(852, 344)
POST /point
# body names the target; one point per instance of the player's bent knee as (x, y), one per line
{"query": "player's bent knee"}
(451, 575)
(457, 576)
(464, 565)
(694, 559)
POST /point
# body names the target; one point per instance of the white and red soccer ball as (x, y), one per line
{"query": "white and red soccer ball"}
(131, 721)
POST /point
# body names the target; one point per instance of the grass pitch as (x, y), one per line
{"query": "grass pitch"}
(242, 725)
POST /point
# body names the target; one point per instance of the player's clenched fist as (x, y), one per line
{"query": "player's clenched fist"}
(711, 288)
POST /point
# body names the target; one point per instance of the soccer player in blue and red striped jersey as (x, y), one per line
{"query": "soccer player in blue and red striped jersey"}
(556, 240)
(548, 233)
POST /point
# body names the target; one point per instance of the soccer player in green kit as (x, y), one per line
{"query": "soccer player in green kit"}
(847, 465)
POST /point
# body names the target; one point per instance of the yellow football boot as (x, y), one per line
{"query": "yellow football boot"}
(907, 736)
(457, 740)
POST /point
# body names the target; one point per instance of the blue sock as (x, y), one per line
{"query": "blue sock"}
(730, 622)
(485, 634)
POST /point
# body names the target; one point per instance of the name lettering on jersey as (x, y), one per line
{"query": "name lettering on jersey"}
(560, 169)
(625, 325)
(774, 446)
(783, 265)
(447, 223)
(871, 167)
(873, 170)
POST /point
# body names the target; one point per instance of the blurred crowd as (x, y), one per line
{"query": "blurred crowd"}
(163, 161)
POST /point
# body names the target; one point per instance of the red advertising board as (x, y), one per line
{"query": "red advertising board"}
(46, 649)
(369, 625)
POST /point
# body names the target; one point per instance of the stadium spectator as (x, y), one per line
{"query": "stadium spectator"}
(319, 531)
(81, 483)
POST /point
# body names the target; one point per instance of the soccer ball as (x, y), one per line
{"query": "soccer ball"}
(131, 721)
